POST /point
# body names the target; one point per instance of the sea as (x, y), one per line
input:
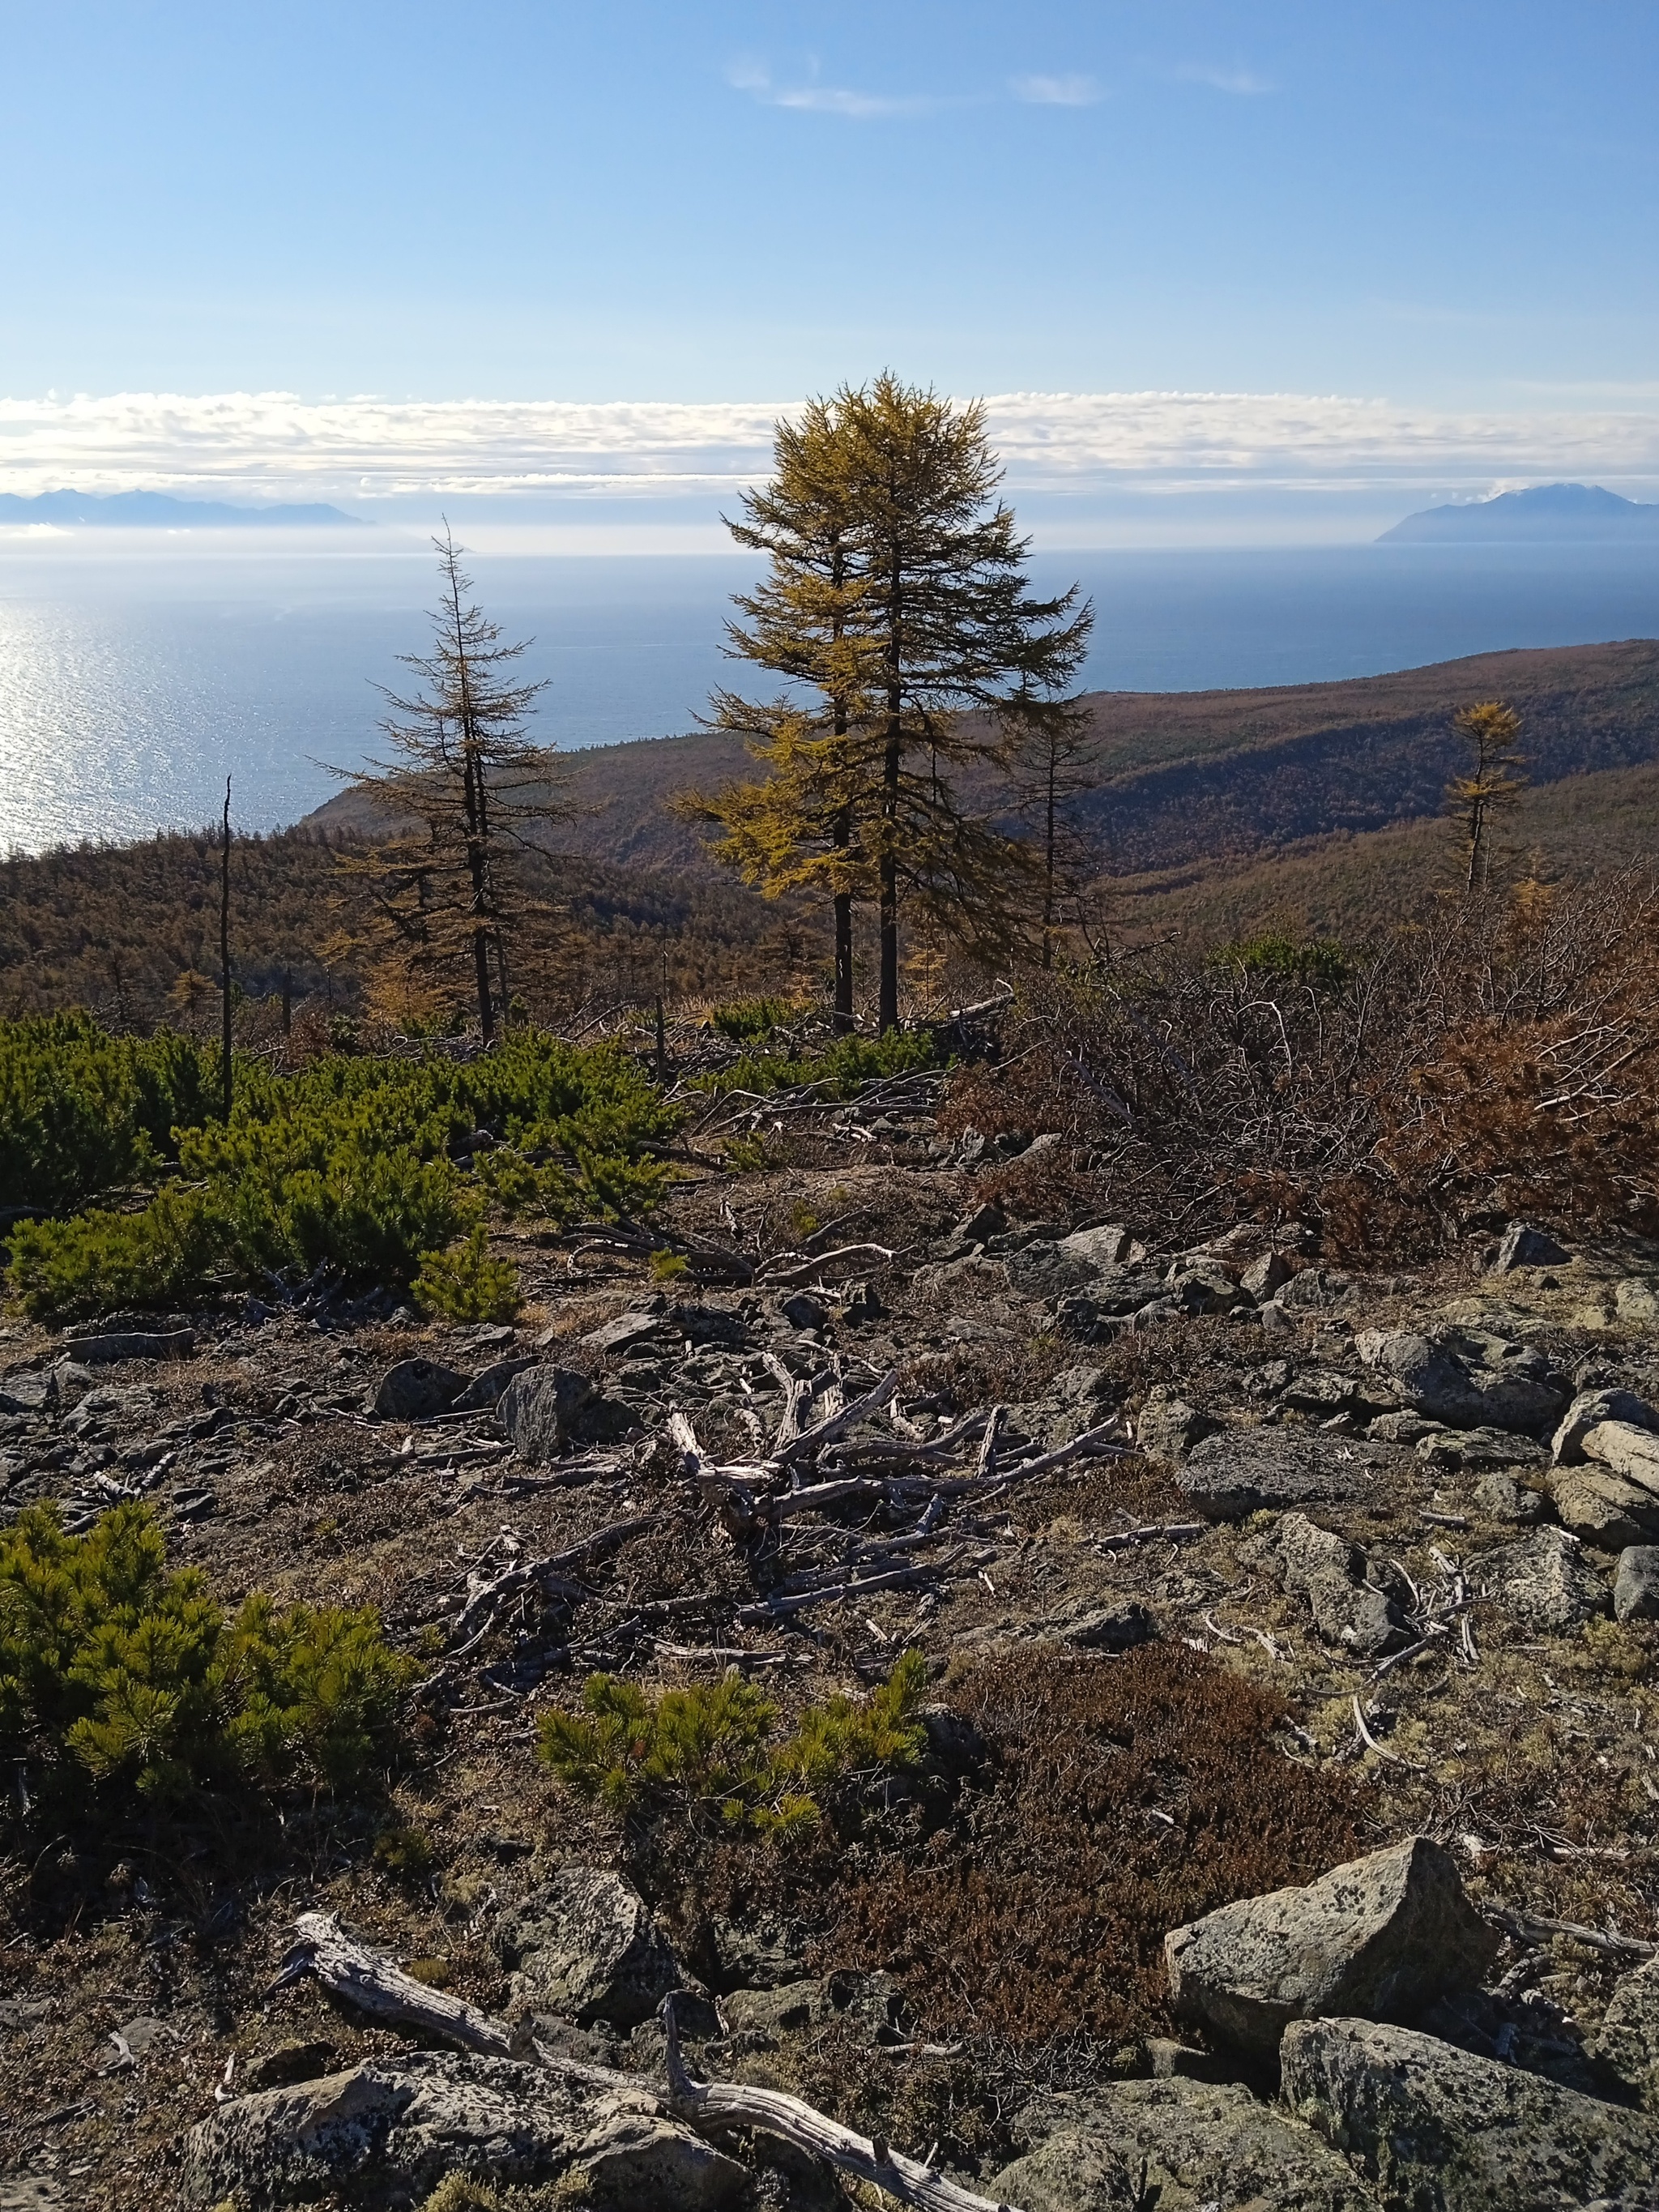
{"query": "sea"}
(133, 684)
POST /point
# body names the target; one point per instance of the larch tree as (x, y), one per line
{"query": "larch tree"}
(896, 604)
(948, 606)
(1491, 788)
(1054, 756)
(462, 791)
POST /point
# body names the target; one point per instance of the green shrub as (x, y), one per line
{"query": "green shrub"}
(1320, 963)
(82, 1112)
(842, 1067)
(752, 1021)
(352, 1164)
(114, 1667)
(711, 1748)
(465, 1283)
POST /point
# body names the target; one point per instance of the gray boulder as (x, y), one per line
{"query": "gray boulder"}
(1545, 1581)
(414, 1390)
(586, 1948)
(1588, 1411)
(1466, 1377)
(1524, 1246)
(1637, 1302)
(538, 1409)
(1497, 1493)
(1180, 2144)
(1244, 1471)
(484, 1390)
(1627, 2041)
(23, 1393)
(1266, 1276)
(1328, 1572)
(1099, 1248)
(1167, 1427)
(614, 1337)
(1473, 1451)
(1313, 1289)
(1440, 2130)
(401, 2125)
(1603, 1508)
(1629, 1452)
(1636, 1585)
(102, 1351)
(1383, 1935)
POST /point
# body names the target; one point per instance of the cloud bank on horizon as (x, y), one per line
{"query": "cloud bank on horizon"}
(277, 446)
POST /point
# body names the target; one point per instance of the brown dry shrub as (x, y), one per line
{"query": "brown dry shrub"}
(1040, 1911)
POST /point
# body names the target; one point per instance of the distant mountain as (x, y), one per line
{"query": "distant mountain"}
(158, 510)
(1548, 514)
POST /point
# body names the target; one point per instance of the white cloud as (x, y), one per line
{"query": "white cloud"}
(756, 79)
(1244, 82)
(1056, 91)
(262, 445)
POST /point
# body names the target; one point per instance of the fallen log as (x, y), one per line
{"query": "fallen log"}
(720, 2104)
(369, 1982)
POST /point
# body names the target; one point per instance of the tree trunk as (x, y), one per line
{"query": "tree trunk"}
(224, 960)
(843, 1022)
(888, 1011)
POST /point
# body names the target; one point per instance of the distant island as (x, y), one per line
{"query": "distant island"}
(1560, 514)
(158, 510)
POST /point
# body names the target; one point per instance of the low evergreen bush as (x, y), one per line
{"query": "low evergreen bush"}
(82, 1112)
(468, 1285)
(114, 1668)
(711, 1749)
(841, 1067)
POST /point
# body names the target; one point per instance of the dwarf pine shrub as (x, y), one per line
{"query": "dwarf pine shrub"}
(82, 1112)
(841, 1067)
(361, 1167)
(711, 1748)
(116, 1669)
(467, 1284)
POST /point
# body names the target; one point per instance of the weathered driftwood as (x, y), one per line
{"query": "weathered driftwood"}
(1531, 1926)
(790, 1268)
(483, 1604)
(368, 1981)
(722, 2104)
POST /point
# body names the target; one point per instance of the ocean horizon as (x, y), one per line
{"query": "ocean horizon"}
(130, 686)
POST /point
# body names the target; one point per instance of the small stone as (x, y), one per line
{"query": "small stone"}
(586, 1948)
(1326, 1570)
(21, 1393)
(1545, 1581)
(1313, 1288)
(484, 1391)
(538, 1408)
(1383, 1936)
(1402, 1428)
(1635, 1597)
(805, 1311)
(1525, 1247)
(986, 1220)
(1242, 1471)
(1503, 1498)
(1629, 1451)
(102, 1351)
(1637, 1302)
(1471, 1452)
(1468, 1378)
(1627, 2041)
(414, 1390)
(623, 1334)
(1099, 1248)
(1167, 1427)
(1264, 1278)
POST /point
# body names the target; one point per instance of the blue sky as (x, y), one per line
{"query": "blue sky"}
(1448, 208)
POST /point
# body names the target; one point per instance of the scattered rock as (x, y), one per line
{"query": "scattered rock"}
(130, 1344)
(1107, 1246)
(1627, 2041)
(623, 1334)
(1266, 1276)
(1167, 1427)
(1180, 2144)
(805, 1311)
(702, 1326)
(538, 1408)
(1206, 1290)
(1404, 1427)
(1603, 1508)
(484, 1391)
(1444, 2130)
(1383, 1936)
(1524, 1246)
(1467, 1377)
(760, 1954)
(986, 1220)
(1471, 1451)
(760, 2017)
(1589, 1411)
(24, 1392)
(414, 1390)
(586, 1948)
(1244, 1471)
(1635, 1593)
(1311, 1289)
(1637, 1302)
(1106, 1627)
(288, 2064)
(1545, 1580)
(1314, 1563)
(406, 2123)
(1499, 1495)
(1631, 1452)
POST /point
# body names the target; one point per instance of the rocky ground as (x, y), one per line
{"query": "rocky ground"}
(1228, 1568)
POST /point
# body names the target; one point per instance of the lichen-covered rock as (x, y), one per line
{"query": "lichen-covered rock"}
(586, 1948)
(1523, 1246)
(1314, 1563)
(1636, 1585)
(1545, 1581)
(1108, 1246)
(414, 1390)
(538, 1408)
(1167, 1427)
(388, 2132)
(1627, 2041)
(1383, 1936)
(1242, 1471)
(1180, 2144)
(1439, 2130)
(1588, 1411)
(1628, 1451)
(1603, 1507)
(1473, 1451)
(1467, 1377)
